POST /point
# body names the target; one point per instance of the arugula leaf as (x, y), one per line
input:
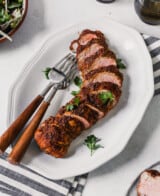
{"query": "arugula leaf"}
(91, 142)
(120, 64)
(106, 96)
(46, 72)
(78, 81)
(74, 93)
(4, 16)
(14, 5)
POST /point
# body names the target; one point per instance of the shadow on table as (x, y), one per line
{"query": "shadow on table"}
(138, 141)
(32, 25)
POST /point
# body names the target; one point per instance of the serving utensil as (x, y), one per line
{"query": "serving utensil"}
(59, 75)
(23, 142)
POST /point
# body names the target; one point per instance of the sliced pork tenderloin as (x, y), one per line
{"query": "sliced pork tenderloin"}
(87, 56)
(85, 38)
(104, 61)
(149, 183)
(95, 98)
(104, 74)
(99, 93)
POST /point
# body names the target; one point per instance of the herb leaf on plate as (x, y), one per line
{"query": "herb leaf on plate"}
(73, 105)
(69, 107)
(91, 142)
(106, 96)
(78, 81)
(46, 72)
(120, 64)
(76, 101)
(74, 93)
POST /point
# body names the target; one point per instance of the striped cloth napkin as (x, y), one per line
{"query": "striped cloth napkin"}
(22, 181)
(153, 45)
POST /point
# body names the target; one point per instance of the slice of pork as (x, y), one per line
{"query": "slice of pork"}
(85, 37)
(104, 74)
(149, 183)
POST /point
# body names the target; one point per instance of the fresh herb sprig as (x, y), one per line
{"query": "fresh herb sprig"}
(91, 142)
(74, 93)
(71, 106)
(106, 96)
(46, 72)
(78, 81)
(120, 64)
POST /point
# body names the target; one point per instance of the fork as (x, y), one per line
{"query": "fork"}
(22, 144)
(61, 69)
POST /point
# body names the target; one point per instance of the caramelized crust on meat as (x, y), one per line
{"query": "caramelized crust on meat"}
(98, 67)
(85, 38)
(72, 125)
(86, 57)
(94, 97)
(101, 86)
(111, 69)
(55, 134)
(106, 60)
(104, 74)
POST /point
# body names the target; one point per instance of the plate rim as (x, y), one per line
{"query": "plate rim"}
(136, 120)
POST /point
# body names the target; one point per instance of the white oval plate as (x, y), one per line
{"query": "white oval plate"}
(116, 128)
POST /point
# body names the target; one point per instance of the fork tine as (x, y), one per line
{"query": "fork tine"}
(68, 68)
(69, 78)
(68, 65)
(59, 65)
(72, 74)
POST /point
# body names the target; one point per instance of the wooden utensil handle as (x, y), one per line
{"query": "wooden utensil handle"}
(21, 146)
(11, 133)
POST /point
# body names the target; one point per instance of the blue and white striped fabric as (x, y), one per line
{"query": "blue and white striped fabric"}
(21, 181)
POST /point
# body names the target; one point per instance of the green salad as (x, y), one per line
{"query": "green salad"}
(11, 12)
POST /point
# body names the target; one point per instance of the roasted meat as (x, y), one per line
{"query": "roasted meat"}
(104, 74)
(149, 183)
(100, 92)
(85, 38)
(87, 56)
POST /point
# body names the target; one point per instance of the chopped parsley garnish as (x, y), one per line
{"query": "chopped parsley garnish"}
(78, 81)
(46, 72)
(74, 93)
(106, 96)
(120, 64)
(76, 101)
(69, 107)
(91, 142)
(73, 105)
